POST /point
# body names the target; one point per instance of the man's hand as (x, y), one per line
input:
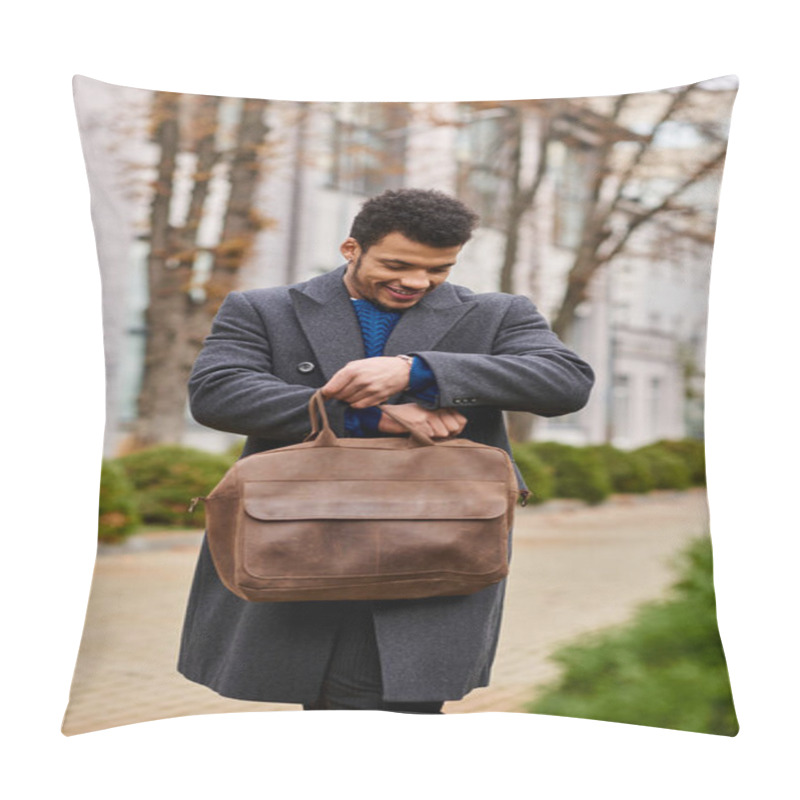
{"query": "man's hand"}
(440, 424)
(368, 381)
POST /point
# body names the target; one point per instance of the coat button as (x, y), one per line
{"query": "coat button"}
(305, 366)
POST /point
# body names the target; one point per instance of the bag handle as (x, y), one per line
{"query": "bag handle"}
(417, 435)
(322, 433)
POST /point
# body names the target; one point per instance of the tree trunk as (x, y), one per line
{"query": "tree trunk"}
(180, 312)
(242, 222)
(580, 275)
(522, 199)
(521, 424)
(161, 399)
(516, 209)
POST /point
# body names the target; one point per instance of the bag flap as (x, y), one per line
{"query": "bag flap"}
(365, 499)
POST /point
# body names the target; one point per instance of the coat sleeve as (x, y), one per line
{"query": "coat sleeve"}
(233, 388)
(528, 369)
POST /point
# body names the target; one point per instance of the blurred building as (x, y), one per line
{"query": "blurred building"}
(642, 328)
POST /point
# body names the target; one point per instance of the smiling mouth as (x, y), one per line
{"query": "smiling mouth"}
(405, 293)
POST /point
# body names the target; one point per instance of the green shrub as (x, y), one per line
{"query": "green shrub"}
(692, 452)
(666, 668)
(628, 472)
(668, 470)
(118, 516)
(235, 450)
(536, 474)
(167, 477)
(577, 471)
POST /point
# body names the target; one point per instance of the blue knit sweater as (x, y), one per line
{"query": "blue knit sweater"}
(376, 326)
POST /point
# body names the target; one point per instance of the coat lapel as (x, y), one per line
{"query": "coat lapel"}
(326, 315)
(422, 326)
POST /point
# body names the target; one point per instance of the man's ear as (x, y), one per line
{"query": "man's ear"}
(350, 249)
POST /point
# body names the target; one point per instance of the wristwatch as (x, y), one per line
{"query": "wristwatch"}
(410, 360)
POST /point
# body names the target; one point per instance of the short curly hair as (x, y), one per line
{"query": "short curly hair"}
(422, 215)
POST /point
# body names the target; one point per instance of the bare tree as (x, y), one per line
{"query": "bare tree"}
(625, 163)
(635, 178)
(522, 195)
(183, 297)
(621, 199)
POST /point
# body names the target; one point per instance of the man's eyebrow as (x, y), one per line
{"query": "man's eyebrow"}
(402, 263)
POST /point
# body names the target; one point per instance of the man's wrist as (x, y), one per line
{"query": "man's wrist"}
(410, 361)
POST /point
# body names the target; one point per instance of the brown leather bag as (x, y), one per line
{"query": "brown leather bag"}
(362, 519)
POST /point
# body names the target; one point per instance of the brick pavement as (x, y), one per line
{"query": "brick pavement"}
(574, 570)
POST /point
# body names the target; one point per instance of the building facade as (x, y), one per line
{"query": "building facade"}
(642, 323)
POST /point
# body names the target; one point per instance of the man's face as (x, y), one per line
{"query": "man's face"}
(396, 272)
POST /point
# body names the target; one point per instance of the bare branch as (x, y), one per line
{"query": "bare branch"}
(639, 219)
(644, 144)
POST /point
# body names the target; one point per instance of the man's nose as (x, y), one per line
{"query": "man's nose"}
(416, 280)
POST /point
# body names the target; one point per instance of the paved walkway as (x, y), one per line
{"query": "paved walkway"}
(574, 570)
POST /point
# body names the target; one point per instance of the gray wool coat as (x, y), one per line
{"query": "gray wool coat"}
(488, 352)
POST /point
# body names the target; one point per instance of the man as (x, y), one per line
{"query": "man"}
(385, 328)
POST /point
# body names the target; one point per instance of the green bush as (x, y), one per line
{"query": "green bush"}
(692, 452)
(167, 477)
(235, 450)
(536, 474)
(665, 669)
(577, 471)
(628, 472)
(668, 470)
(118, 516)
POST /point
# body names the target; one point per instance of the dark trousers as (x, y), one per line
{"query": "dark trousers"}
(353, 676)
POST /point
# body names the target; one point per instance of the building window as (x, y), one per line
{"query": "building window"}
(368, 147)
(573, 173)
(621, 314)
(656, 407)
(483, 146)
(621, 407)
